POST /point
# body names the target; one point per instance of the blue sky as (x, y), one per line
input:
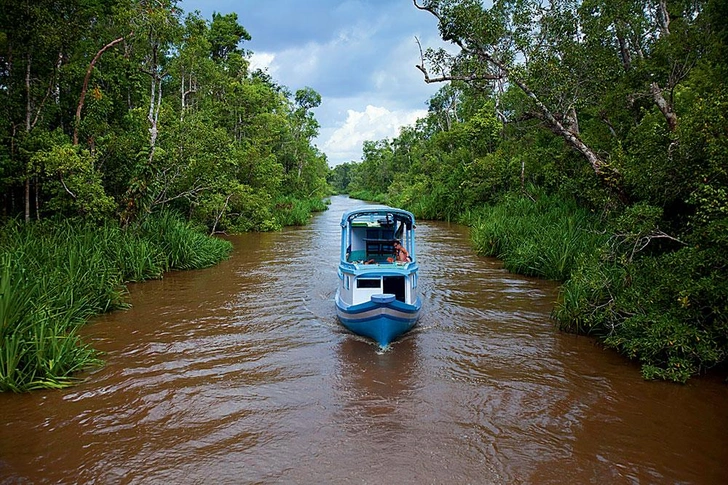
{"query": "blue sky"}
(360, 55)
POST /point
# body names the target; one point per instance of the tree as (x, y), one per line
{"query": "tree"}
(516, 41)
(157, 23)
(304, 127)
(340, 177)
(225, 35)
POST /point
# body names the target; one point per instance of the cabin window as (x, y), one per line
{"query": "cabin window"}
(368, 283)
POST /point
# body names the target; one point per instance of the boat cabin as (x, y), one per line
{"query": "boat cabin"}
(370, 238)
(368, 265)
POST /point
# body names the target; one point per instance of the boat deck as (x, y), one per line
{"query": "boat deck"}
(372, 258)
(380, 264)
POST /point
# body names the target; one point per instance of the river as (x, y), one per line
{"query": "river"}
(240, 373)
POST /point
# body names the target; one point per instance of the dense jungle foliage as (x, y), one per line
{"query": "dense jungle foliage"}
(129, 132)
(587, 142)
(116, 109)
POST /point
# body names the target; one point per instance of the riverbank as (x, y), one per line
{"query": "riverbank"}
(55, 275)
(638, 290)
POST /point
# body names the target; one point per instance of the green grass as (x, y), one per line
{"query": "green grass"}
(55, 275)
(544, 237)
(290, 211)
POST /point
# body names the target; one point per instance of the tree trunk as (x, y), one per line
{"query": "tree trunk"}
(664, 106)
(182, 101)
(663, 17)
(27, 199)
(27, 130)
(84, 89)
(155, 105)
(37, 198)
(624, 52)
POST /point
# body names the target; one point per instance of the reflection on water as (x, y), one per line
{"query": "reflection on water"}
(241, 374)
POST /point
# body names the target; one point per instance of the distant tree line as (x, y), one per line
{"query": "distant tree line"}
(586, 141)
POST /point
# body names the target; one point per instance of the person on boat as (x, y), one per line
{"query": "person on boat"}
(401, 255)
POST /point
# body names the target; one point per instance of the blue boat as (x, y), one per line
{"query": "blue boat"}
(377, 295)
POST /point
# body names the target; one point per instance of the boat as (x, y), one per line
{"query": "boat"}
(377, 296)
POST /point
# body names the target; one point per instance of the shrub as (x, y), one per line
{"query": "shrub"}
(290, 211)
(666, 308)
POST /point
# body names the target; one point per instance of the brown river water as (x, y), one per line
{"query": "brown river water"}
(240, 373)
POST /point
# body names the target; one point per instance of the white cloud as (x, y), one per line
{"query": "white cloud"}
(374, 123)
(263, 61)
(303, 63)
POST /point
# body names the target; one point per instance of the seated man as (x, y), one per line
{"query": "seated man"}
(401, 255)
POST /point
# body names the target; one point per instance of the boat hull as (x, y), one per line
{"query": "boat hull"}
(382, 319)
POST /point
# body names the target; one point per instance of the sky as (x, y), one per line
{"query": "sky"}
(359, 55)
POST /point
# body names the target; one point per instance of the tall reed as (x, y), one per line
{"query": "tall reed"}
(290, 211)
(180, 244)
(55, 275)
(542, 237)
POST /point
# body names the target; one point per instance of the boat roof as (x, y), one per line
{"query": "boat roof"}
(377, 210)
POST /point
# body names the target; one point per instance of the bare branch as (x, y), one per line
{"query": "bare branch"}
(219, 215)
(427, 9)
(187, 193)
(471, 78)
(451, 77)
(66, 187)
(640, 242)
(643, 242)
